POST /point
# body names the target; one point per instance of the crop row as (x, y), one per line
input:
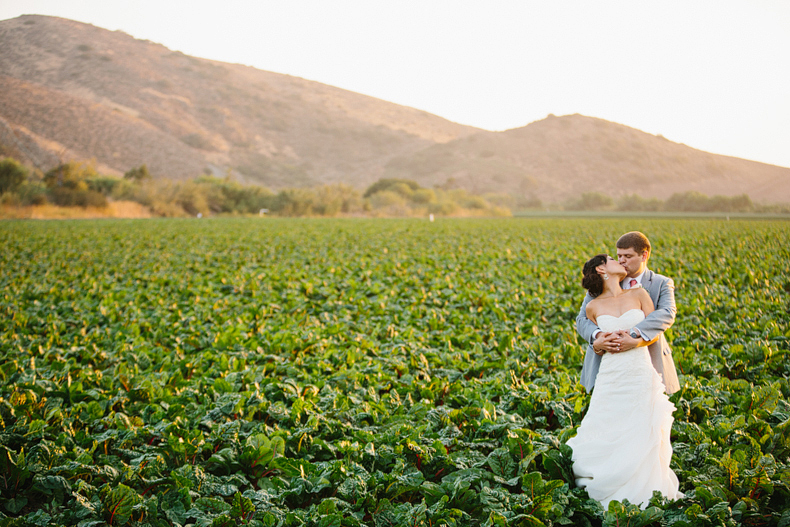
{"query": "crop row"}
(368, 372)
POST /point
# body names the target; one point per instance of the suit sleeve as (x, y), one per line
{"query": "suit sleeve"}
(664, 315)
(584, 326)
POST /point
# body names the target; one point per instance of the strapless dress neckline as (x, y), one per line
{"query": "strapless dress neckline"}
(626, 321)
(621, 316)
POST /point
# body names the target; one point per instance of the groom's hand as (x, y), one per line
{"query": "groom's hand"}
(606, 342)
(625, 341)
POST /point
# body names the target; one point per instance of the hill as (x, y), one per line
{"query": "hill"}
(560, 157)
(70, 90)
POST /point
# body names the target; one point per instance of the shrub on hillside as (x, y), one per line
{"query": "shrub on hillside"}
(386, 198)
(392, 184)
(28, 193)
(12, 175)
(741, 203)
(68, 197)
(67, 185)
(228, 196)
(591, 201)
(252, 199)
(337, 199)
(400, 197)
(424, 196)
(691, 201)
(138, 174)
(475, 203)
(33, 193)
(634, 202)
(295, 202)
(501, 200)
(696, 202)
(389, 203)
(166, 209)
(71, 175)
(529, 202)
(192, 198)
(443, 207)
(107, 185)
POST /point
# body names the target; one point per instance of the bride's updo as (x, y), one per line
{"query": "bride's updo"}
(591, 280)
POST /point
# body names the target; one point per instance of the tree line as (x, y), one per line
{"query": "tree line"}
(690, 201)
(76, 184)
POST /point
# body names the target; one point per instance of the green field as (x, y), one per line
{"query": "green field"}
(368, 372)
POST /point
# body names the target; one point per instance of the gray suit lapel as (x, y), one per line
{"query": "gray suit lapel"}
(647, 283)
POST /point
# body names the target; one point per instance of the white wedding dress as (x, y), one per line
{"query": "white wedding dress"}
(621, 449)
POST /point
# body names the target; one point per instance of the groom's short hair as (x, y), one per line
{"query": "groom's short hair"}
(634, 240)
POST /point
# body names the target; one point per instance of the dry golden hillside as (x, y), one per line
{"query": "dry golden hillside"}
(560, 157)
(70, 90)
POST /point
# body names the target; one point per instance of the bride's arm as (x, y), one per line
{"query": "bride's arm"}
(591, 312)
(584, 325)
(587, 326)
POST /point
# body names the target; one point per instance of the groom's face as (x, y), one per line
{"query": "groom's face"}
(633, 262)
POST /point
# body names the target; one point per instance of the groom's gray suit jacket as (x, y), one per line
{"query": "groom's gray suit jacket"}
(662, 292)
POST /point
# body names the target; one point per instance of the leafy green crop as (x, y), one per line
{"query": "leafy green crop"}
(368, 372)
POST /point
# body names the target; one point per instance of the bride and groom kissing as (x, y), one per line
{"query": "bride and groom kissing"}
(622, 448)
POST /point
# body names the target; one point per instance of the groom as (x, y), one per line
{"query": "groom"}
(633, 251)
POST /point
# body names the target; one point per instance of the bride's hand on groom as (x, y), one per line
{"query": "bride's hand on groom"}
(607, 342)
(625, 341)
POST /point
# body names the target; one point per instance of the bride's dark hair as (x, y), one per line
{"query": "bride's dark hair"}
(591, 280)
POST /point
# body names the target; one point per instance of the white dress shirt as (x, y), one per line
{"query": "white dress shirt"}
(638, 281)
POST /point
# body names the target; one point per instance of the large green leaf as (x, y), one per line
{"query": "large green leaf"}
(118, 503)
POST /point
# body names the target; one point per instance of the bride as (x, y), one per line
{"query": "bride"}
(621, 449)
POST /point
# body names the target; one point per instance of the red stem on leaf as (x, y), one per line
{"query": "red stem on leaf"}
(112, 514)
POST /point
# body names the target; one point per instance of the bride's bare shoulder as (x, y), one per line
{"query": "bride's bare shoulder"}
(642, 295)
(594, 302)
(592, 309)
(638, 291)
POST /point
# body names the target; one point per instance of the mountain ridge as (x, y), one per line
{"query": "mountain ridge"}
(557, 155)
(70, 90)
(268, 128)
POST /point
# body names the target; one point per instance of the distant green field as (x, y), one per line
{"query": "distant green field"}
(368, 372)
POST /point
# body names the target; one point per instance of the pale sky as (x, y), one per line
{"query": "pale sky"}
(712, 74)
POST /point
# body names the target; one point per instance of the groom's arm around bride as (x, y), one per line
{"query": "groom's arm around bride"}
(633, 250)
